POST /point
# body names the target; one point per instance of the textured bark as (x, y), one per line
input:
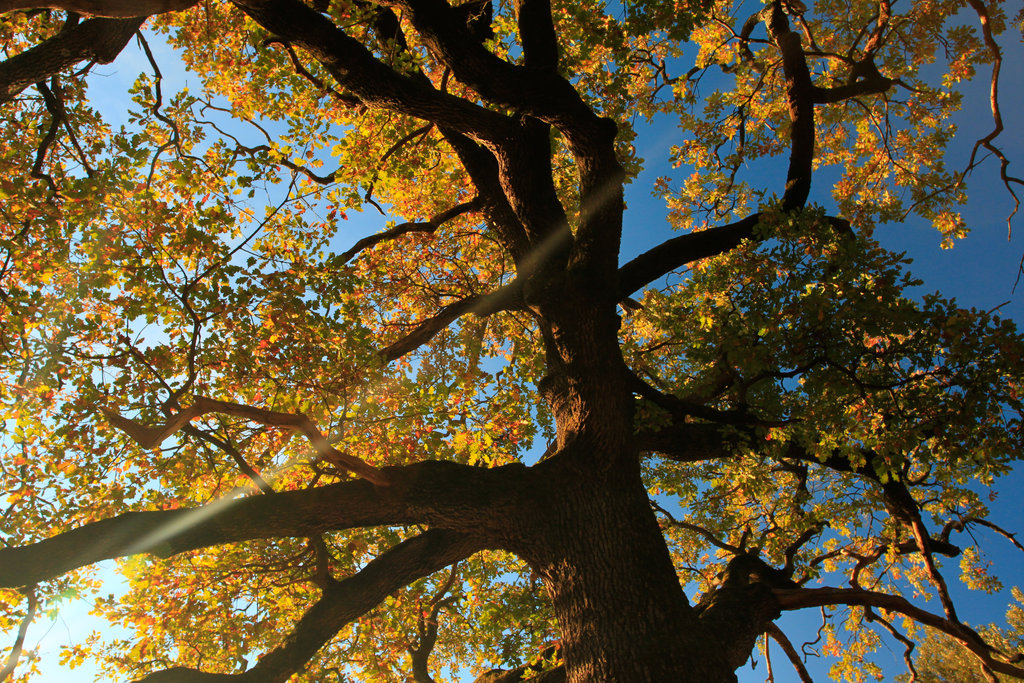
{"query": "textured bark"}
(424, 493)
(101, 8)
(622, 614)
(99, 40)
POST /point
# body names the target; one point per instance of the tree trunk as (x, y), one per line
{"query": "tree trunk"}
(591, 534)
(621, 611)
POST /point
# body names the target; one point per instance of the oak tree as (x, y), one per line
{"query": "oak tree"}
(479, 439)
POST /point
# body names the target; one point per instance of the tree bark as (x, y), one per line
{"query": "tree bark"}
(101, 8)
(622, 613)
(100, 40)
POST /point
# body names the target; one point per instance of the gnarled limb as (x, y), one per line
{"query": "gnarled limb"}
(742, 606)
(342, 602)
(480, 304)
(437, 493)
(101, 8)
(799, 598)
(98, 40)
(150, 437)
(428, 227)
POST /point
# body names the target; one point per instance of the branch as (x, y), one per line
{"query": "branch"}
(19, 641)
(540, 93)
(800, 98)
(699, 530)
(426, 631)
(541, 97)
(779, 637)
(445, 494)
(688, 441)
(679, 251)
(341, 603)
(554, 675)
(873, 84)
(374, 83)
(908, 645)
(997, 116)
(150, 437)
(479, 304)
(420, 133)
(168, 532)
(681, 409)
(98, 40)
(56, 117)
(799, 598)
(537, 34)
(962, 524)
(429, 226)
(248, 470)
(101, 8)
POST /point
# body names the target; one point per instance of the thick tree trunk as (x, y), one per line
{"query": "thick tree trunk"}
(622, 613)
(592, 535)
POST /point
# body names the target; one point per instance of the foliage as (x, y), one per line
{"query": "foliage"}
(319, 282)
(940, 660)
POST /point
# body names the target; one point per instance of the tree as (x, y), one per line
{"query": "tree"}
(319, 459)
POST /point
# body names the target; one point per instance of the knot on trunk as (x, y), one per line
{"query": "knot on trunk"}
(739, 610)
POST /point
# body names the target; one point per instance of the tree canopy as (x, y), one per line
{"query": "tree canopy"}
(478, 439)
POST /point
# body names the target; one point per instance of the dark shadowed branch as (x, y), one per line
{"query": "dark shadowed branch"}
(167, 532)
(428, 227)
(799, 598)
(101, 8)
(342, 602)
(98, 40)
(376, 84)
(478, 304)
(780, 637)
(150, 437)
(679, 251)
(432, 492)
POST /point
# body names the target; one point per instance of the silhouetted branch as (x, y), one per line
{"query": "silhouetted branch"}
(150, 437)
(98, 40)
(429, 227)
(799, 598)
(101, 8)
(342, 602)
(479, 304)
